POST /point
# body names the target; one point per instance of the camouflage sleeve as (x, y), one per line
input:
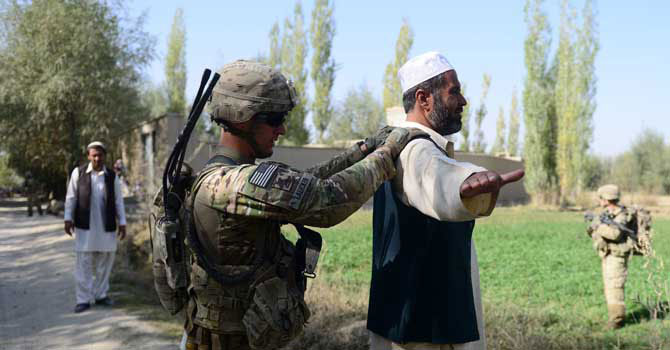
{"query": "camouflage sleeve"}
(274, 191)
(338, 163)
(606, 231)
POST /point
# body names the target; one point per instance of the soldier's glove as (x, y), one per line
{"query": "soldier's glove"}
(400, 137)
(378, 139)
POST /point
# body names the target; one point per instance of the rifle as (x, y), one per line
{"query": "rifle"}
(607, 220)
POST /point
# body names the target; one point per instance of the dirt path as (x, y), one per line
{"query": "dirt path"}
(37, 293)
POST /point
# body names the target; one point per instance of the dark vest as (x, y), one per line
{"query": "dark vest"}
(421, 289)
(82, 212)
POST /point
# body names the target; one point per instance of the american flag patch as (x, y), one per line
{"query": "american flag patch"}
(263, 174)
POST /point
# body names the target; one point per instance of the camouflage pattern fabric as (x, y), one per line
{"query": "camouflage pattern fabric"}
(238, 211)
(247, 88)
(33, 192)
(200, 338)
(284, 194)
(614, 246)
(338, 163)
(644, 232)
(615, 272)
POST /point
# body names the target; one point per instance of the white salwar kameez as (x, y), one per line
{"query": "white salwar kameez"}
(95, 247)
(430, 181)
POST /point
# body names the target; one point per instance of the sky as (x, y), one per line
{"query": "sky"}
(477, 37)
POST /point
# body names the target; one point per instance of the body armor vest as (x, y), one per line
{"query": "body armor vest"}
(245, 253)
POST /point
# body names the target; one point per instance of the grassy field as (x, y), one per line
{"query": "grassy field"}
(540, 277)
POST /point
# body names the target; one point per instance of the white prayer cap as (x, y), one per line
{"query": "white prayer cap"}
(421, 68)
(96, 144)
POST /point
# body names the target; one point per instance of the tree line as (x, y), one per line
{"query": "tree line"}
(75, 75)
(70, 72)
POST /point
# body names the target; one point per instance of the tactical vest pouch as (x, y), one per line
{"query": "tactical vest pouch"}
(169, 264)
(276, 316)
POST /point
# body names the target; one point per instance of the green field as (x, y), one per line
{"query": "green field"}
(541, 283)
(541, 280)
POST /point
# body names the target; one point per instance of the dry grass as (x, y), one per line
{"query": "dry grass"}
(551, 308)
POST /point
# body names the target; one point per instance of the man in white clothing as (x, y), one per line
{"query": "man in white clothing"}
(425, 290)
(93, 205)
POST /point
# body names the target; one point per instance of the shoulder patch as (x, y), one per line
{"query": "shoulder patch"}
(299, 193)
(283, 180)
(263, 174)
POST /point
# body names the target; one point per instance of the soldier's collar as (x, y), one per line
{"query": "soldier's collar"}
(230, 153)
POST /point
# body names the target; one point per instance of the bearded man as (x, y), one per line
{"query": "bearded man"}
(425, 291)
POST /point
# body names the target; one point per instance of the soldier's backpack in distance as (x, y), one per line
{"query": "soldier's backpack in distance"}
(644, 231)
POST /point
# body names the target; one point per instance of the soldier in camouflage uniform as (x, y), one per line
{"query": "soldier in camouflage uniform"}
(253, 297)
(32, 190)
(615, 247)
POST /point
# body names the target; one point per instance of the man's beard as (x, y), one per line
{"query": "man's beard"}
(442, 120)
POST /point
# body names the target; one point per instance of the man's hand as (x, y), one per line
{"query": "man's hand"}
(371, 143)
(68, 228)
(488, 182)
(399, 137)
(122, 232)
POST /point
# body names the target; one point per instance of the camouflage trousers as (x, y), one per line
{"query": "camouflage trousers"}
(34, 201)
(200, 338)
(615, 272)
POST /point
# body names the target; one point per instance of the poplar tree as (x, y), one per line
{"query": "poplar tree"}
(322, 31)
(513, 135)
(586, 51)
(479, 145)
(392, 94)
(274, 60)
(175, 64)
(539, 115)
(575, 92)
(499, 144)
(293, 55)
(567, 109)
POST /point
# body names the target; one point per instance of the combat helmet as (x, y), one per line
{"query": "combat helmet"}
(247, 88)
(609, 192)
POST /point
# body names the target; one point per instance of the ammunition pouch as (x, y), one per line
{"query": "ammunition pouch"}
(277, 311)
(276, 316)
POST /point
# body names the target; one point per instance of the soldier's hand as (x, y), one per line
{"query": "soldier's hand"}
(68, 228)
(373, 142)
(122, 232)
(399, 137)
(488, 182)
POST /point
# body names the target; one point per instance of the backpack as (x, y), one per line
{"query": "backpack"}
(643, 230)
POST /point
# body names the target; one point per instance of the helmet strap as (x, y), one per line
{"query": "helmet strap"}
(247, 136)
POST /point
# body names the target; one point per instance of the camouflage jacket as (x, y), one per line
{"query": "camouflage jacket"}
(238, 211)
(609, 237)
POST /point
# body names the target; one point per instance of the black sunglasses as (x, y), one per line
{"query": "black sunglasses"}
(274, 121)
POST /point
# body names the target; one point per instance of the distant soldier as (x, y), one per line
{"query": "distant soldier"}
(32, 190)
(614, 237)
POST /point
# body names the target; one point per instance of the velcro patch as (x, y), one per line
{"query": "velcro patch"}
(300, 190)
(263, 174)
(284, 181)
